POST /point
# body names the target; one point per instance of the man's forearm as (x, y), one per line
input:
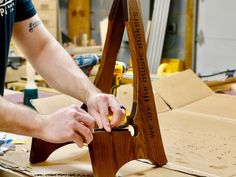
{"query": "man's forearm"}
(61, 72)
(56, 66)
(65, 125)
(18, 119)
(51, 60)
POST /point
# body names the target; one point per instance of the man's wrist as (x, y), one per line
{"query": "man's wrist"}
(37, 129)
(90, 94)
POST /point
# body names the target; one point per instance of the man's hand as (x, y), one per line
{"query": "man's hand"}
(46, 52)
(68, 124)
(100, 106)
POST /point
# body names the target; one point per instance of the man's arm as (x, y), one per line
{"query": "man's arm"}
(49, 58)
(54, 64)
(62, 126)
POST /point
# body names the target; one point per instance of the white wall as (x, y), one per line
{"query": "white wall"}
(217, 52)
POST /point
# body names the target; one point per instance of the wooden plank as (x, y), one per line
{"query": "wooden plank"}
(221, 85)
(78, 17)
(189, 35)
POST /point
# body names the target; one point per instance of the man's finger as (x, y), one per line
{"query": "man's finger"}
(118, 113)
(97, 117)
(77, 108)
(84, 131)
(87, 119)
(78, 140)
(104, 113)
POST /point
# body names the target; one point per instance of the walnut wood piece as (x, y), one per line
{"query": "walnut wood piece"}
(110, 151)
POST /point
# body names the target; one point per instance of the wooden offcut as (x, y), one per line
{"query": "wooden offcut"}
(78, 18)
(189, 33)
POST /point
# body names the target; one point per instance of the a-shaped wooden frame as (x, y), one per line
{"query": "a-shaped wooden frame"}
(110, 151)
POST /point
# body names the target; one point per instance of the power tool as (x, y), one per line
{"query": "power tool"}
(87, 61)
(120, 69)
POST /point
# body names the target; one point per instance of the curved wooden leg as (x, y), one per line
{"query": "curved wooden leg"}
(110, 151)
(41, 150)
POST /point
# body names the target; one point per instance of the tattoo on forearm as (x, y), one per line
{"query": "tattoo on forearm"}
(33, 25)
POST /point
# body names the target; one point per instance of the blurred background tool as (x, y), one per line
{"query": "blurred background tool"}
(120, 69)
(169, 66)
(31, 90)
(15, 62)
(87, 61)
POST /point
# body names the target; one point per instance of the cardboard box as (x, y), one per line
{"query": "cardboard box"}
(198, 130)
(186, 92)
(198, 126)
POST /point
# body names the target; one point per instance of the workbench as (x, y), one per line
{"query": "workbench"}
(71, 161)
(198, 128)
(191, 147)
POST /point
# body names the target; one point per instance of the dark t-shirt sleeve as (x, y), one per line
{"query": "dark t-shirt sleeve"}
(24, 10)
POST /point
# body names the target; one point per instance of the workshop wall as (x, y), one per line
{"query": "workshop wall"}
(99, 10)
(175, 34)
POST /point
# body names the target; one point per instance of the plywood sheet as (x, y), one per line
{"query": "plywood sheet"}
(182, 88)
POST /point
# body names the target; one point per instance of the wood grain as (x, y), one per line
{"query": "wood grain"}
(113, 150)
(110, 151)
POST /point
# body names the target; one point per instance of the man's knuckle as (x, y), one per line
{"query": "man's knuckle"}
(123, 113)
(87, 132)
(73, 106)
(70, 134)
(111, 96)
(71, 112)
(72, 124)
(90, 140)
(103, 97)
(92, 121)
(106, 123)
